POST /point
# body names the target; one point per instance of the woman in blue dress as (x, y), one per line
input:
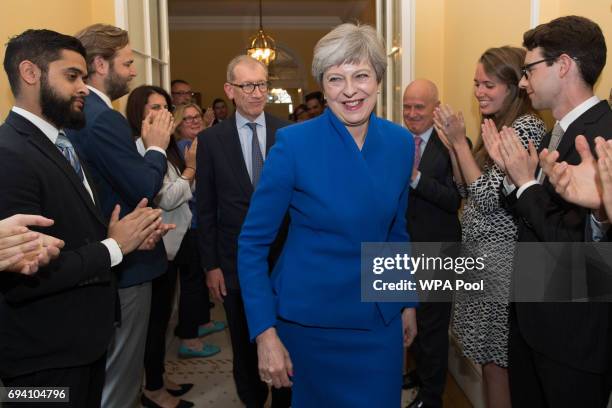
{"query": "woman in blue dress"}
(343, 177)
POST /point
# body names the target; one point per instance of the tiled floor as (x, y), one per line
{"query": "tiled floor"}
(214, 385)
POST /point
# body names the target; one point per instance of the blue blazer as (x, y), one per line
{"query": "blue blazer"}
(121, 176)
(337, 197)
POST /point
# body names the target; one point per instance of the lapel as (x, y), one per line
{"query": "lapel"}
(578, 127)
(229, 139)
(37, 138)
(429, 159)
(270, 133)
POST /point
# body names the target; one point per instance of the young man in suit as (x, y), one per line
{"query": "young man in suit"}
(230, 157)
(122, 176)
(57, 323)
(559, 352)
(431, 217)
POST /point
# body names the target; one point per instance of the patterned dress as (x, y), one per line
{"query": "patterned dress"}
(480, 322)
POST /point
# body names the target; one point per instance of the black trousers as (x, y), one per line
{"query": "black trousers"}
(537, 381)
(162, 293)
(85, 383)
(194, 308)
(430, 350)
(251, 390)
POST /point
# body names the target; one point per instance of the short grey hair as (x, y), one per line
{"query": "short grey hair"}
(242, 59)
(349, 43)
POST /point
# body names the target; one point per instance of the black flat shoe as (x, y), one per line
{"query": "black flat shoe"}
(182, 391)
(148, 403)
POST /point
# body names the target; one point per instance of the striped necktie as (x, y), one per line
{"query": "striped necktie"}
(417, 151)
(256, 156)
(64, 145)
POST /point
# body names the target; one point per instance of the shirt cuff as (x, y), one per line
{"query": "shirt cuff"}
(525, 187)
(157, 149)
(116, 256)
(599, 228)
(414, 183)
(508, 186)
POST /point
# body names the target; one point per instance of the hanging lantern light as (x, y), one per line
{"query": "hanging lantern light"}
(263, 47)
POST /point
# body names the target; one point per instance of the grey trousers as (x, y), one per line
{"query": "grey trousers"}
(125, 358)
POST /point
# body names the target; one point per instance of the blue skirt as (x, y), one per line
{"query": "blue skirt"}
(345, 367)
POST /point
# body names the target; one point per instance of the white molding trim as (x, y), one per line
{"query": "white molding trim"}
(121, 14)
(388, 35)
(408, 51)
(379, 24)
(165, 44)
(146, 15)
(214, 23)
(534, 18)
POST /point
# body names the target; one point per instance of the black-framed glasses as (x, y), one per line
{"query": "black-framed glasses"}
(192, 119)
(249, 87)
(526, 69)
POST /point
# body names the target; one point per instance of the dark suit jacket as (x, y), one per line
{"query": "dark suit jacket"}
(121, 176)
(224, 193)
(576, 334)
(63, 315)
(433, 205)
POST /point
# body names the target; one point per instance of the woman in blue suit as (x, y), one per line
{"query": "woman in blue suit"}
(344, 179)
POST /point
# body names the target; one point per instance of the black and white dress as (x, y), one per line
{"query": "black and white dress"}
(480, 322)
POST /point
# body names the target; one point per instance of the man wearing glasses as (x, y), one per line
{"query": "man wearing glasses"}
(559, 354)
(181, 92)
(230, 158)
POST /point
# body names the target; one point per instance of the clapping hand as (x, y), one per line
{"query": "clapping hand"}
(604, 166)
(451, 125)
(190, 154)
(24, 251)
(492, 142)
(135, 228)
(157, 129)
(209, 118)
(578, 184)
(151, 241)
(520, 164)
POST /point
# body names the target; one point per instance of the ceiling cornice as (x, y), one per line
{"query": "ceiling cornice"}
(215, 23)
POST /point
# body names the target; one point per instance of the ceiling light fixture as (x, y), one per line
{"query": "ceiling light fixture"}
(263, 47)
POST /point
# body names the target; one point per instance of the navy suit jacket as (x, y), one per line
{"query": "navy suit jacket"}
(223, 195)
(337, 197)
(121, 176)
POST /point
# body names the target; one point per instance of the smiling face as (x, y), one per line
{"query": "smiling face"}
(63, 91)
(350, 91)
(490, 92)
(420, 100)
(542, 84)
(191, 124)
(249, 105)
